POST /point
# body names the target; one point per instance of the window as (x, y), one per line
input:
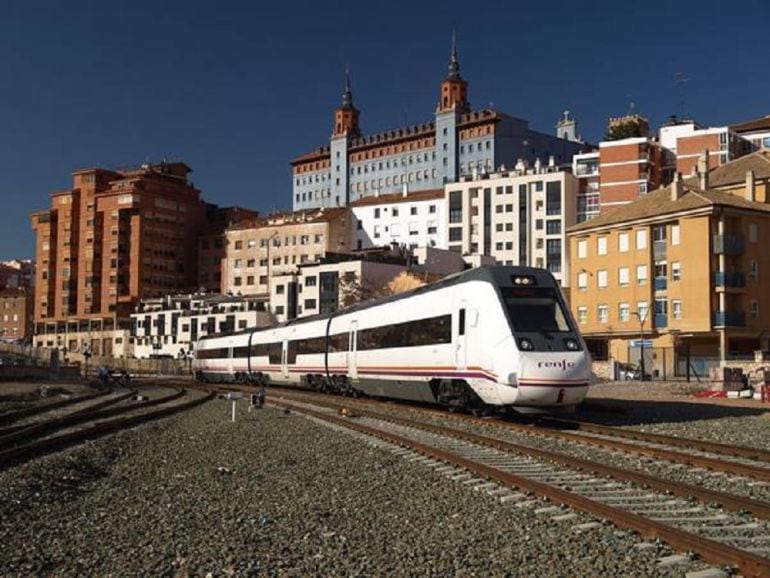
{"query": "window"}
(412, 210)
(582, 281)
(601, 245)
(623, 242)
(624, 312)
(753, 233)
(432, 209)
(603, 313)
(553, 198)
(238, 245)
(377, 213)
(601, 278)
(754, 308)
(237, 281)
(582, 314)
(659, 234)
(754, 269)
(676, 308)
(553, 255)
(582, 248)
(676, 271)
(456, 206)
(310, 304)
(310, 281)
(280, 289)
(279, 310)
(641, 239)
(455, 234)
(623, 276)
(394, 212)
(553, 227)
(430, 331)
(539, 224)
(641, 274)
(674, 234)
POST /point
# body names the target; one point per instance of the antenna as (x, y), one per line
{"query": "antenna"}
(631, 105)
(680, 79)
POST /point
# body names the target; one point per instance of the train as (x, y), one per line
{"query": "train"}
(490, 337)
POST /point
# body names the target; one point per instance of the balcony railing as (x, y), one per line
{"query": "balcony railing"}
(729, 319)
(661, 320)
(728, 244)
(661, 283)
(722, 279)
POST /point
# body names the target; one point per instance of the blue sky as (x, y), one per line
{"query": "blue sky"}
(236, 89)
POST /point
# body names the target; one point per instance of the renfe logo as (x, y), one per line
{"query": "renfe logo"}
(563, 364)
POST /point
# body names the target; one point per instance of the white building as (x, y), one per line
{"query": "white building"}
(409, 219)
(172, 325)
(516, 217)
(586, 168)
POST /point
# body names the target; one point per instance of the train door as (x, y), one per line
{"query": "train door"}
(461, 345)
(352, 350)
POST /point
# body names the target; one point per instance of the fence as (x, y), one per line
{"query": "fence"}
(41, 356)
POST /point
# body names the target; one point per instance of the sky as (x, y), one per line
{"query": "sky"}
(238, 89)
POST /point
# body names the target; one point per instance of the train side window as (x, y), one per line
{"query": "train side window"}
(291, 352)
(274, 353)
(461, 324)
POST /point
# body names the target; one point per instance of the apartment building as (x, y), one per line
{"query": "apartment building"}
(212, 241)
(114, 237)
(685, 141)
(17, 273)
(628, 169)
(754, 132)
(261, 248)
(413, 220)
(585, 167)
(682, 266)
(171, 325)
(16, 310)
(517, 217)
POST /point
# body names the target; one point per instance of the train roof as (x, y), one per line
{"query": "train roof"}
(496, 275)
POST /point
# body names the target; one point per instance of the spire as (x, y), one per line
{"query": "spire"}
(454, 63)
(347, 95)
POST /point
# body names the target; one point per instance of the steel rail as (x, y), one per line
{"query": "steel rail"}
(707, 446)
(709, 550)
(12, 416)
(80, 417)
(28, 451)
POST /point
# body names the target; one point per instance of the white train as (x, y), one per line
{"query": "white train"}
(494, 336)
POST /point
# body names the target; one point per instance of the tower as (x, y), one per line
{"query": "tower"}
(566, 128)
(346, 115)
(454, 90)
(453, 102)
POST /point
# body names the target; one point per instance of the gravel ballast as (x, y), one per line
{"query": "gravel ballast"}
(275, 495)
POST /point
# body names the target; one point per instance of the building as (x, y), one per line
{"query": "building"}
(754, 132)
(682, 267)
(17, 273)
(258, 249)
(16, 310)
(171, 326)
(411, 220)
(115, 237)
(585, 167)
(341, 280)
(517, 217)
(685, 141)
(456, 141)
(211, 244)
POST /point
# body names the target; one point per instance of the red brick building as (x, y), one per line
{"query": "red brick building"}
(15, 314)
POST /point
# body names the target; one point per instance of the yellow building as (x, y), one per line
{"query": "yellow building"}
(686, 267)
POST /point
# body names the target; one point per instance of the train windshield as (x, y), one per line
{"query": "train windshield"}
(534, 310)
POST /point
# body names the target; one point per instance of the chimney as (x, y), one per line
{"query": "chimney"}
(751, 189)
(538, 165)
(703, 170)
(405, 189)
(677, 188)
(551, 161)
(377, 192)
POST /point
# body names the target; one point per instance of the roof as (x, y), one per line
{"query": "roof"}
(15, 292)
(659, 203)
(292, 218)
(735, 171)
(755, 124)
(425, 195)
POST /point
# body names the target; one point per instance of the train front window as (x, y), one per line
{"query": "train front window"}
(534, 310)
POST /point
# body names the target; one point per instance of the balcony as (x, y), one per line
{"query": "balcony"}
(661, 283)
(659, 250)
(728, 244)
(729, 280)
(729, 319)
(661, 320)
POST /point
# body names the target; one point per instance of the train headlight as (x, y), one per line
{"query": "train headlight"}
(525, 344)
(572, 344)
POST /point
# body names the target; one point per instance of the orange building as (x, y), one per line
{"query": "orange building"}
(681, 266)
(116, 236)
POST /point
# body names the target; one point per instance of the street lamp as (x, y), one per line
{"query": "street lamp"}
(642, 317)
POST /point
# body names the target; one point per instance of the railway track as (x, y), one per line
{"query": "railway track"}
(14, 416)
(15, 446)
(736, 533)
